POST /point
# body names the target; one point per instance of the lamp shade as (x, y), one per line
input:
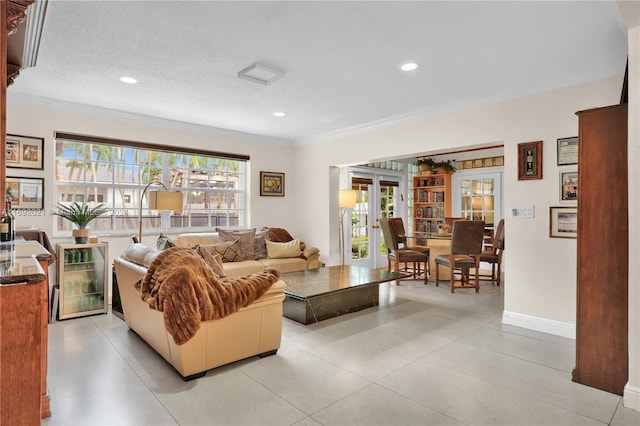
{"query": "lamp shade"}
(165, 200)
(347, 199)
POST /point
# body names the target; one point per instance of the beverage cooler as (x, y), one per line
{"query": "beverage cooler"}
(82, 279)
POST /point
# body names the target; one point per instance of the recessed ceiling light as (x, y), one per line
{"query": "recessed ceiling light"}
(279, 113)
(409, 66)
(128, 80)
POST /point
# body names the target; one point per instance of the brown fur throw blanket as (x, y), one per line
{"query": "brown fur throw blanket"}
(180, 284)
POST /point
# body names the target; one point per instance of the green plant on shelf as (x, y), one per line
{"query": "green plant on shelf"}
(434, 166)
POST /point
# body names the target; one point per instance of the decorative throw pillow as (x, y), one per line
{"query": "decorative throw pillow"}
(229, 250)
(281, 235)
(283, 250)
(165, 242)
(214, 260)
(260, 244)
(244, 237)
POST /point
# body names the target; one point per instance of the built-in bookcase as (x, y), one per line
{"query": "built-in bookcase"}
(431, 204)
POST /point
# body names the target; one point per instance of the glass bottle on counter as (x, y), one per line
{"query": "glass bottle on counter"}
(4, 226)
(12, 219)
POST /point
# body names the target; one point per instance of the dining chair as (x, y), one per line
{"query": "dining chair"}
(397, 226)
(466, 245)
(403, 256)
(494, 256)
(450, 220)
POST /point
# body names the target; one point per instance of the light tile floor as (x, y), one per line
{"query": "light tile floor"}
(424, 357)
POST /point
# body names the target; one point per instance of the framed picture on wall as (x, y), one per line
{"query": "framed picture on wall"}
(567, 151)
(25, 193)
(25, 152)
(563, 222)
(530, 160)
(569, 186)
(272, 184)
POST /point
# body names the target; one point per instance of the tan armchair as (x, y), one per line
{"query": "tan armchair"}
(253, 330)
(466, 246)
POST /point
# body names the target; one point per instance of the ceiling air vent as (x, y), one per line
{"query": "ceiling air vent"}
(261, 74)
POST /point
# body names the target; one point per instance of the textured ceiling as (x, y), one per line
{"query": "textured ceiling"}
(341, 58)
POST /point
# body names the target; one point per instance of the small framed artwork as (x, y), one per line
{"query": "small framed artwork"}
(567, 151)
(25, 193)
(272, 184)
(530, 160)
(569, 186)
(24, 152)
(563, 222)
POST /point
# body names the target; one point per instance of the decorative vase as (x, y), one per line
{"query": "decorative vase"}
(81, 235)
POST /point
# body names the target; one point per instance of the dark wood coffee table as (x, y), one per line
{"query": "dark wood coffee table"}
(318, 294)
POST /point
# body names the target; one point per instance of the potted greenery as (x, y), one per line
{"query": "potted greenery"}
(429, 164)
(80, 216)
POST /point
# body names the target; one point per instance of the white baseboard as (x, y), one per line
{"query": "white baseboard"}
(540, 324)
(631, 397)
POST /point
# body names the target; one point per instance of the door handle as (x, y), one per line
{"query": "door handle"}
(375, 227)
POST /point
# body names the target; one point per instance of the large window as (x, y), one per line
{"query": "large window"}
(93, 171)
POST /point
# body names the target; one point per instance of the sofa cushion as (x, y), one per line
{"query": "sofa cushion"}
(244, 237)
(283, 250)
(229, 250)
(214, 260)
(238, 269)
(285, 265)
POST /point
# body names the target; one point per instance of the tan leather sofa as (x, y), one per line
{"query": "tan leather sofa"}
(254, 330)
(236, 269)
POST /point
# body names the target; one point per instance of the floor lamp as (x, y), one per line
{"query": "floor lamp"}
(159, 200)
(346, 201)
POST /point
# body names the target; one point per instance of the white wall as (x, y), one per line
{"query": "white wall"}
(541, 279)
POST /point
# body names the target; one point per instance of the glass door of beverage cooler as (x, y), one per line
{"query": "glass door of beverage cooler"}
(82, 279)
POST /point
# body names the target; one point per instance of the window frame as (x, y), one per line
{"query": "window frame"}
(121, 218)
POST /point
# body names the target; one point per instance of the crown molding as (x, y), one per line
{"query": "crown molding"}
(19, 99)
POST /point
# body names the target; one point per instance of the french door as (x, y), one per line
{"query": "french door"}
(477, 195)
(378, 198)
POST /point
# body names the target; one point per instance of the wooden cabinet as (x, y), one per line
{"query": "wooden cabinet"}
(24, 310)
(431, 204)
(602, 276)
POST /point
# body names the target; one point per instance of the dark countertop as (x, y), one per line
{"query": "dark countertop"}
(20, 262)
